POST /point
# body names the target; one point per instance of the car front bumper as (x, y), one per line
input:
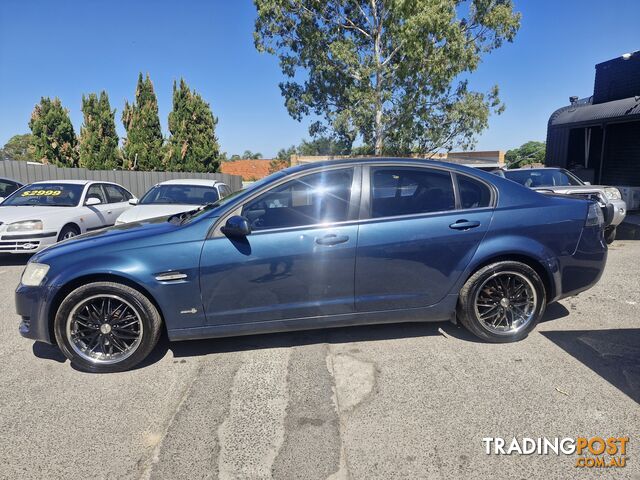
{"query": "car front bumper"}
(619, 212)
(32, 304)
(26, 242)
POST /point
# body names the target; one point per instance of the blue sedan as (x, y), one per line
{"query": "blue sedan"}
(322, 245)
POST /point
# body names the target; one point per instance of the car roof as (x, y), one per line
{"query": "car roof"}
(388, 161)
(192, 181)
(534, 168)
(68, 182)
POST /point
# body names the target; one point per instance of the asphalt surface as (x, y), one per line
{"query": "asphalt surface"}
(392, 401)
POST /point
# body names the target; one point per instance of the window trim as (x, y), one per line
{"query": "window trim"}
(352, 212)
(361, 204)
(365, 207)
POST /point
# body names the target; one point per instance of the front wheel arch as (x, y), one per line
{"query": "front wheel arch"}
(77, 282)
(73, 225)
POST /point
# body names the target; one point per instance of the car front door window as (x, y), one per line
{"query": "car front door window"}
(95, 191)
(318, 198)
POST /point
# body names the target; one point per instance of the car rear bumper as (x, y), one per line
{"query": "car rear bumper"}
(26, 242)
(582, 270)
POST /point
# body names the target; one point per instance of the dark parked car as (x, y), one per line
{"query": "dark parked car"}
(322, 245)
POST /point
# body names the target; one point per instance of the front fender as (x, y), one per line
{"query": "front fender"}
(179, 300)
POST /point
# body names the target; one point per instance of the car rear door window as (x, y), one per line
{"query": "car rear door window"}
(473, 194)
(317, 198)
(114, 194)
(409, 191)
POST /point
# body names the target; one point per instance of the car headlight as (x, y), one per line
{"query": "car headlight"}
(34, 274)
(612, 193)
(25, 226)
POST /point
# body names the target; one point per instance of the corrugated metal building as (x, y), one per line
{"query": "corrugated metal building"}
(601, 134)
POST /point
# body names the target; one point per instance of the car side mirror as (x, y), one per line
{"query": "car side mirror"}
(91, 201)
(236, 226)
(1, 199)
(587, 183)
(133, 201)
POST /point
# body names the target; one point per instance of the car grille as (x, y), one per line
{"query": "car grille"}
(596, 197)
(19, 246)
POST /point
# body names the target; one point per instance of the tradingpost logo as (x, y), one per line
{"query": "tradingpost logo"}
(592, 452)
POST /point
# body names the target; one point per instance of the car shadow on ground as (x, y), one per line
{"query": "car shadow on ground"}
(363, 333)
(613, 354)
(14, 259)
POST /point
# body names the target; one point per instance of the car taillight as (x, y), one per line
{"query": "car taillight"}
(594, 216)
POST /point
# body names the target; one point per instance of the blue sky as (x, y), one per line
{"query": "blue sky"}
(67, 48)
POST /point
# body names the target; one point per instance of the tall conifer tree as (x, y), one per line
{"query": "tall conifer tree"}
(54, 140)
(193, 146)
(142, 148)
(98, 137)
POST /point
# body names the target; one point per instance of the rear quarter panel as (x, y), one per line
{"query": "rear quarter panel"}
(533, 225)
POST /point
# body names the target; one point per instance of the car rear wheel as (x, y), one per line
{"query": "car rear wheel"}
(106, 327)
(609, 235)
(69, 231)
(502, 302)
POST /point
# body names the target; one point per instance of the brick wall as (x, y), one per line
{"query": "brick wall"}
(249, 170)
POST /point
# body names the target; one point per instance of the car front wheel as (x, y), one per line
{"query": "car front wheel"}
(69, 231)
(502, 302)
(106, 327)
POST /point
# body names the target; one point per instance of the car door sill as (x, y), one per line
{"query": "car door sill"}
(441, 311)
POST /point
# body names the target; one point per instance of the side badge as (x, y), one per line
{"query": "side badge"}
(189, 312)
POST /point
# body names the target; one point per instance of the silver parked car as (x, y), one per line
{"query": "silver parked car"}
(561, 181)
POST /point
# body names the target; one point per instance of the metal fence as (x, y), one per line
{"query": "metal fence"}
(136, 182)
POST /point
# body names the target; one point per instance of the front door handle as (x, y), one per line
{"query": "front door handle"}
(464, 224)
(332, 239)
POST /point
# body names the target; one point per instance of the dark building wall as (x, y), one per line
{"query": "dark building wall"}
(617, 79)
(622, 154)
(556, 150)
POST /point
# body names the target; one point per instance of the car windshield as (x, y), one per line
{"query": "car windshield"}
(46, 195)
(543, 177)
(180, 194)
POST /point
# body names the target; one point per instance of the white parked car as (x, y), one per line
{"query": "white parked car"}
(43, 213)
(175, 196)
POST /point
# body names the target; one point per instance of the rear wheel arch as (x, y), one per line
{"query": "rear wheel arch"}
(86, 279)
(537, 265)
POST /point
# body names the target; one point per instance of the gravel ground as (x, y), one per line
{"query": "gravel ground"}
(390, 401)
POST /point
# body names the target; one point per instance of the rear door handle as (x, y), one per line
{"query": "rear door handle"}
(332, 239)
(464, 224)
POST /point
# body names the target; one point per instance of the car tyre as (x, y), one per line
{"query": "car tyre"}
(507, 293)
(610, 235)
(126, 323)
(69, 231)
